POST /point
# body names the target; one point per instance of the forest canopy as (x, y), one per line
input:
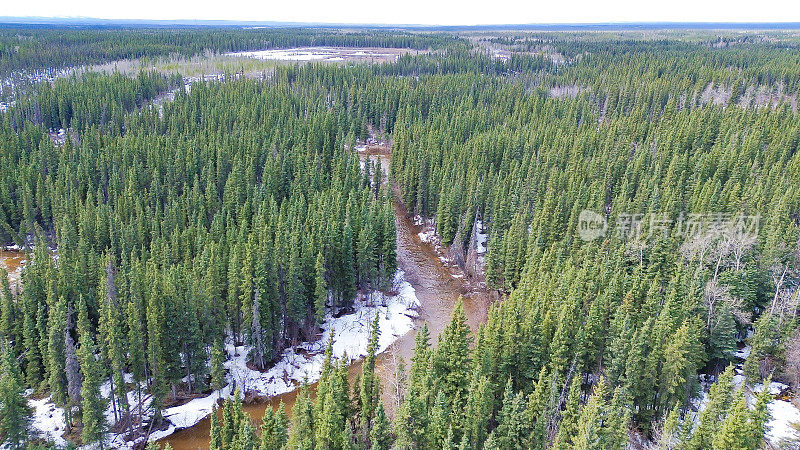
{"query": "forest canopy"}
(238, 212)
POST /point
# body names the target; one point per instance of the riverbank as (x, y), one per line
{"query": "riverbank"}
(437, 286)
(396, 311)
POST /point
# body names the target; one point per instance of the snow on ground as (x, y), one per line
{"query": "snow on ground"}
(783, 415)
(317, 54)
(480, 238)
(743, 353)
(48, 420)
(427, 236)
(775, 388)
(351, 335)
(304, 363)
(190, 413)
(290, 54)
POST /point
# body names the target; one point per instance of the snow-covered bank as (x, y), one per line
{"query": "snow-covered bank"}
(304, 363)
(350, 333)
(428, 235)
(458, 265)
(783, 413)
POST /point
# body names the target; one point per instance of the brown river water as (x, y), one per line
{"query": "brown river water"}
(437, 290)
(12, 261)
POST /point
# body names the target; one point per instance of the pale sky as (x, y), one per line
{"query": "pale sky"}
(429, 12)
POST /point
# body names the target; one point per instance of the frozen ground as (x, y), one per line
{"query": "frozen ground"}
(304, 363)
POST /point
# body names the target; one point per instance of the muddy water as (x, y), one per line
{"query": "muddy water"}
(12, 261)
(437, 291)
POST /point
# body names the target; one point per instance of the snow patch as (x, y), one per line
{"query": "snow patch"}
(48, 420)
(297, 365)
(304, 363)
(744, 352)
(480, 237)
(783, 415)
(428, 236)
(350, 332)
(775, 388)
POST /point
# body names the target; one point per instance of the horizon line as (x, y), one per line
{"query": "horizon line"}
(87, 20)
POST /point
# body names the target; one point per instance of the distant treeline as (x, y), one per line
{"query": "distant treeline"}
(37, 47)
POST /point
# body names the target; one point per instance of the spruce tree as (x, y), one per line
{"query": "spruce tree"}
(274, 429)
(379, 436)
(451, 363)
(136, 351)
(217, 366)
(216, 429)
(57, 322)
(512, 428)
(14, 410)
(301, 435)
(93, 405)
(369, 391)
(320, 289)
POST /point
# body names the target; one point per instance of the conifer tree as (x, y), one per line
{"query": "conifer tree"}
(274, 428)
(733, 432)
(136, 351)
(369, 390)
(379, 435)
(245, 437)
(57, 322)
(14, 410)
(157, 349)
(216, 429)
(440, 432)
(512, 430)
(93, 404)
(112, 334)
(411, 420)
(8, 313)
(320, 289)
(217, 366)
(451, 364)
(568, 427)
(301, 435)
(720, 398)
(590, 433)
(72, 370)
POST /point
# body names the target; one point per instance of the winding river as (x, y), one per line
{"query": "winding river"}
(437, 290)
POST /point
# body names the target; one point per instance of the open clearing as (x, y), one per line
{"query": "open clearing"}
(333, 54)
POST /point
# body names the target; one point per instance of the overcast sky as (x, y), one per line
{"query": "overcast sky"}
(464, 12)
